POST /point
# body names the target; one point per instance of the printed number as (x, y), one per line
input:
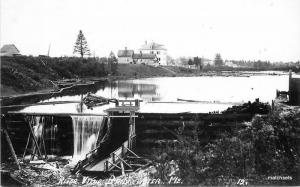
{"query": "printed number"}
(242, 182)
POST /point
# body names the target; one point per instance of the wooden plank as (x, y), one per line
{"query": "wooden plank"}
(45, 103)
(123, 116)
(55, 114)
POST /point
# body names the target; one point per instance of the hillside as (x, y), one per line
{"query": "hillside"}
(23, 74)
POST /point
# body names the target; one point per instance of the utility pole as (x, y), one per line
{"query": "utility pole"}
(49, 50)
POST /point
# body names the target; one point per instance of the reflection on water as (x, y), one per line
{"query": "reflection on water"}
(167, 90)
(131, 89)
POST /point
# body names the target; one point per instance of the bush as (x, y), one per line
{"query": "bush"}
(266, 147)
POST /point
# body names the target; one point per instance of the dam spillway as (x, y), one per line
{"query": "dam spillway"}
(85, 131)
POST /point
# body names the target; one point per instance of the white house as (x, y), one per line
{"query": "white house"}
(144, 58)
(125, 56)
(9, 50)
(157, 49)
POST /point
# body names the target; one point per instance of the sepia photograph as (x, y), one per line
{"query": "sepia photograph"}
(150, 93)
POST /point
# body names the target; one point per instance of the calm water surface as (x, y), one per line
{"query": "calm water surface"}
(162, 94)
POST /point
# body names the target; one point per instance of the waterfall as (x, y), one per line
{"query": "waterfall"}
(85, 130)
(38, 126)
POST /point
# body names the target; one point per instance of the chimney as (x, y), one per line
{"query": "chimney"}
(125, 48)
(145, 42)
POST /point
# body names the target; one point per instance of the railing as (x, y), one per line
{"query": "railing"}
(135, 102)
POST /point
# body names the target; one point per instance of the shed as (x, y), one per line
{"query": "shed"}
(9, 50)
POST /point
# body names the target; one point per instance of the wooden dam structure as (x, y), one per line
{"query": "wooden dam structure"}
(125, 136)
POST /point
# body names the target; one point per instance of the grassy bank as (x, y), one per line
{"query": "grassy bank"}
(23, 74)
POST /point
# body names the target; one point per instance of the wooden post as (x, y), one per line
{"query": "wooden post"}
(81, 103)
(122, 166)
(28, 140)
(106, 165)
(122, 151)
(43, 141)
(35, 141)
(12, 150)
(10, 145)
(290, 79)
(113, 157)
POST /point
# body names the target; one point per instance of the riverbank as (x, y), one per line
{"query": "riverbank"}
(33, 75)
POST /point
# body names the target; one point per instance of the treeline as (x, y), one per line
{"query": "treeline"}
(219, 64)
(31, 73)
(259, 64)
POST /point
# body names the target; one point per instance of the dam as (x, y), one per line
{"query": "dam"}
(116, 141)
(117, 135)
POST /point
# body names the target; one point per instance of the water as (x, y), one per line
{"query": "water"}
(162, 94)
(85, 131)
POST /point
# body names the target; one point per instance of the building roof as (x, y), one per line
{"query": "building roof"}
(152, 46)
(125, 53)
(112, 54)
(9, 49)
(144, 56)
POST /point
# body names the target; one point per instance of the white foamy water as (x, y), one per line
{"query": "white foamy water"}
(85, 130)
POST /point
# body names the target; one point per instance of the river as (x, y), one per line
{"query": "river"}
(165, 94)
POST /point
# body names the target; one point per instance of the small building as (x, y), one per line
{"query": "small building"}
(141, 58)
(9, 50)
(157, 49)
(125, 56)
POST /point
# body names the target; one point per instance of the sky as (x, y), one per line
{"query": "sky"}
(237, 29)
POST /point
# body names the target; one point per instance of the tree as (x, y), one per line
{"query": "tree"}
(218, 60)
(198, 63)
(170, 60)
(113, 63)
(81, 46)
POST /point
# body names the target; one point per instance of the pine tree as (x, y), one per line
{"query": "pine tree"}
(81, 46)
(218, 60)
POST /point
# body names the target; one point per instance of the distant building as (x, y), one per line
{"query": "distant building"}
(157, 49)
(206, 61)
(129, 57)
(125, 56)
(144, 58)
(230, 64)
(9, 50)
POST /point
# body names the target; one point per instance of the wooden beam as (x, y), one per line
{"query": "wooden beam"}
(132, 152)
(124, 161)
(35, 141)
(45, 103)
(28, 140)
(12, 150)
(114, 165)
(54, 114)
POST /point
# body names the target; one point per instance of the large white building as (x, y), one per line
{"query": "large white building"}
(156, 49)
